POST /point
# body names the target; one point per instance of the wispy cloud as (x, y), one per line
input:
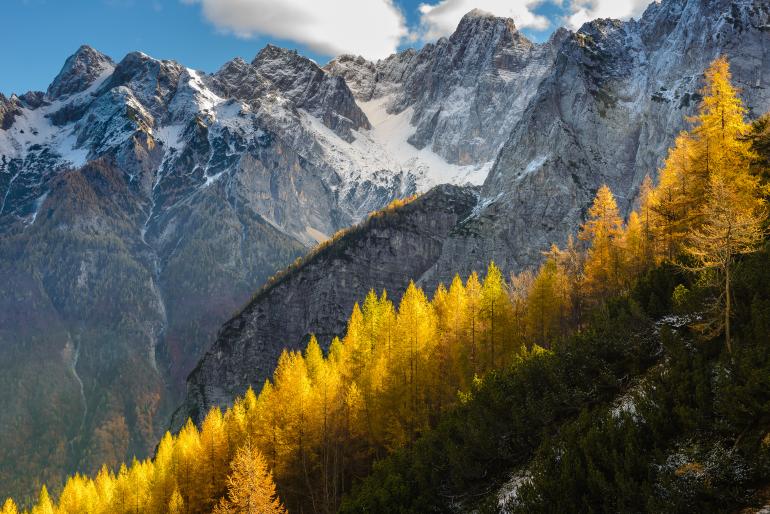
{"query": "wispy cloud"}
(582, 11)
(372, 28)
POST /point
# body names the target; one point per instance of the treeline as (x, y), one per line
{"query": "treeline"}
(325, 418)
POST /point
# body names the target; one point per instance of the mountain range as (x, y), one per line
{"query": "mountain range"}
(144, 203)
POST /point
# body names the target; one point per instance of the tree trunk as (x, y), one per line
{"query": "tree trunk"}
(727, 310)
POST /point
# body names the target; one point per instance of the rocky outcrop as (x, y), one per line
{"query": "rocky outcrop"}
(383, 253)
(465, 93)
(9, 109)
(301, 80)
(80, 70)
(616, 97)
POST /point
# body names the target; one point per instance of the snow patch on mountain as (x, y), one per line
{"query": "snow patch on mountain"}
(392, 132)
(34, 129)
(170, 135)
(383, 151)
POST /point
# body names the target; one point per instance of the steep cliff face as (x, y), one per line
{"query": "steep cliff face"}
(616, 97)
(462, 94)
(383, 253)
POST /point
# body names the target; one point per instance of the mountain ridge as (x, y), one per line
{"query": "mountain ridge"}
(605, 113)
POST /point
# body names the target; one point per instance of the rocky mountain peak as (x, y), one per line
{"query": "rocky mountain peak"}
(9, 109)
(80, 70)
(309, 87)
(152, 81)
(478, 13)
(477, 22)
(559, 35)
(239, 79)
(271, 53)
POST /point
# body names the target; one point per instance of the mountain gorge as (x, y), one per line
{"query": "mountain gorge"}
(145, 202)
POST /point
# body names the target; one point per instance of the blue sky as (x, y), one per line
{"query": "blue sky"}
(38, 35)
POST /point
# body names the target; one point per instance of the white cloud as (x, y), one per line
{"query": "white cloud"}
(372, 28)
(587, 10)
(441, 19)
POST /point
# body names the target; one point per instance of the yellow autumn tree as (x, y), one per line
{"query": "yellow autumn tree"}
(472, 318)
(547, 305)
(603, 231)
(214, 456)
(715, 146)
(176, 503)
(44, 504)
(9, 507)
(676, 199)
(730, 218)
(721, 125)
(734, 225)
(187, 451)
(644, 210)
(250, 486)
(496, 313)
(520, 285)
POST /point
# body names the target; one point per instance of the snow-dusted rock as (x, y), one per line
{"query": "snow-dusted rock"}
(606, 112)
(464, 93)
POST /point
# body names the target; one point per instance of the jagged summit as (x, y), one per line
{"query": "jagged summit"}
(478, 21)
(271, 52)
(80, 70)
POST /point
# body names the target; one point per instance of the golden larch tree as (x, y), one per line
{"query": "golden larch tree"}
(44, 503)
(176, 503)
(603, 231)
(734, 225)
(250, 486)
(9, 507)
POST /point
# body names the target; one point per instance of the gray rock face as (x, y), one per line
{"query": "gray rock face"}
(465, 92)
(384, 252)
(9, 109)
(301, 80)
(80, 70)
(616, 97)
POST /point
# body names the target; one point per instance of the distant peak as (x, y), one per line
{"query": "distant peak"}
(271, 51)
(272, 54)
(559, 36)
(478, 22)
(79, 71)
